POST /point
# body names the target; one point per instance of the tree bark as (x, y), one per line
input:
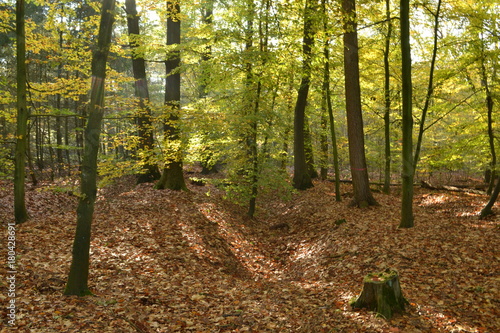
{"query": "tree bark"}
(387, 98)
(59, 141)
(301, 176)
(173, 176)
(144, 121)
(77, 283)
(407, 154)
(207, 19)
(20, 212)
(308, 147)
(362, 193)
(430, 87)
(491, 133)
(328, 102)
(208, 161)
(488, 209)
(492, 190)
(323, 140)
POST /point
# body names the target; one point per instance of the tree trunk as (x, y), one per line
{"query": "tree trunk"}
(381, 294)
(143, 118)
(430, 87)
(29, 156)
(208, 162)
(323, 139)
(407, 154)
(173, 176)
(308, 147)
(79, 271)
(328, 102)
(20, 212)
(491, 132)
(362, 193)
(59, 142)
(488, 209)
(301, 176)
(207, 19)
(387, 97)
(51, 149)
(66, 143)
(252, 145)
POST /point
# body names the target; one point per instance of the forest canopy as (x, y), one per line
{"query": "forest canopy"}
(240, 69)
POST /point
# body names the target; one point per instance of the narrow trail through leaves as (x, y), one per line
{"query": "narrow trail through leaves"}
(165, 261)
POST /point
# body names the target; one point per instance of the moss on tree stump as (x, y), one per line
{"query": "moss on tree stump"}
(381, 294)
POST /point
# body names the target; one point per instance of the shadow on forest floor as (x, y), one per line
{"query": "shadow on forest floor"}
(165, 261)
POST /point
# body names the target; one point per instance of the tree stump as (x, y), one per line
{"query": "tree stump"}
(381, 294)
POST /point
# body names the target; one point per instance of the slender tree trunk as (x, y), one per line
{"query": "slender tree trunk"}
(51, 150)
(144, 121)
(207, 161)
(173, 176)
(254, 162)
(407, 154)
(328, 102)
(323, 139)
(387, 97)
(29, 157)
(79, 124)
(301, 176)
(77, 283)
(491, 140)
(66, 142)
(251, 136)
(488, 209)
(20, 212)
(59, 142)
(40, 162)
(207, 19)
(308, 147)
(430, 87)
(362, 193)
(491, 133)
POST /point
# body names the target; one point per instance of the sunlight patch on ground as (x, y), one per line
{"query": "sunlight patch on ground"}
(429, 200)
(446, 322)
(305, 250)
(474, 213)
(121, 256)
(307, 284)
(485, 224)
(347, 296)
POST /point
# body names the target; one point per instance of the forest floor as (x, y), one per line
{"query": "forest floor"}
(165, 261)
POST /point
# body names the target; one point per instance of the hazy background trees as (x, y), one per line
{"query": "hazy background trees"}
(250, 69)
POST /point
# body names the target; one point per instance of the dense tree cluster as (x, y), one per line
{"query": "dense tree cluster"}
(265, 88)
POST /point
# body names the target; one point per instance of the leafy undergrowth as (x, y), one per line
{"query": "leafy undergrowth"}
(164, 261)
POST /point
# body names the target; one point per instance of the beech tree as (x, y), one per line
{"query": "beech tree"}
(172, 176)
(20, 212)
(430, 85)
(362, 193)
(387, 99)
(407, 122)
(326, 101)
(77, 283)
(144, 121)
(301, 175)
